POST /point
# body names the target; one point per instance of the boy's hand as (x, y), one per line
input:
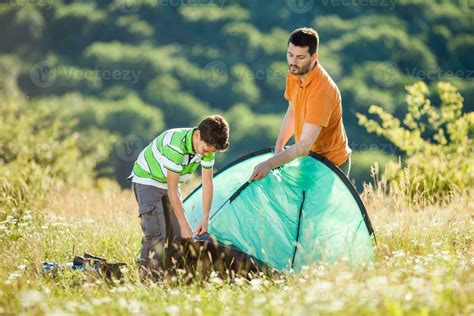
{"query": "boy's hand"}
(186, 232)
(202, 228)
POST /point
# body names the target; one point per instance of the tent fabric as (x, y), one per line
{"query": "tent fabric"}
(301, 213)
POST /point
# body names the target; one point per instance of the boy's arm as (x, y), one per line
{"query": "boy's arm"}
(207, 194)
(287, 129)
(177, 205)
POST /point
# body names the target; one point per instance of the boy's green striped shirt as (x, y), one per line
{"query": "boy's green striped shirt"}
(172, 150)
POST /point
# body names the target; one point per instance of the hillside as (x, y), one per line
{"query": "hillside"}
(133, 68)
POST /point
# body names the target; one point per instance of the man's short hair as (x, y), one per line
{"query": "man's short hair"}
(305, 37)
(215, 131)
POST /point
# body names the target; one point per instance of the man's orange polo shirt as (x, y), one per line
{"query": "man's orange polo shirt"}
(318, 101)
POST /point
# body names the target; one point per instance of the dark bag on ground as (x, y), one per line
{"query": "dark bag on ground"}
(97, 265)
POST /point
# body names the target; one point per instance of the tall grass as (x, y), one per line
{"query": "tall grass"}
(424, 264)
(424, 260)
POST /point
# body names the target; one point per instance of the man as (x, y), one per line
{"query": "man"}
(314, 114)
(169, 159)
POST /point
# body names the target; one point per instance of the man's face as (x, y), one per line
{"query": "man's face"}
(200, 146)
(299, 60)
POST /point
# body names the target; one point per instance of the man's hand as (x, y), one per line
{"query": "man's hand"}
(202, 228)
(186, 231)
(278, 149)
(260, 171)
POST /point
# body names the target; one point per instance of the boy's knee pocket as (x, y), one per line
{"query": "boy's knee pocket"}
(152, 220)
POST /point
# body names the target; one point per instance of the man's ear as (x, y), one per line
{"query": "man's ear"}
(314, 57)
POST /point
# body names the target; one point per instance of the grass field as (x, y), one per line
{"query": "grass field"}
(424, 265)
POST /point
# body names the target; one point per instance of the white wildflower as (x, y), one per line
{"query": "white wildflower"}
(30, 298)
(174, 292)
(256, 284)
(216, 280)
(12, 277)
(58, 312)
(322, 286)
(172, 310)
(280, 281)
(239, 281)
(335, 306)
(259, 300)
(134, 307)
(399, 253)
(343, 277)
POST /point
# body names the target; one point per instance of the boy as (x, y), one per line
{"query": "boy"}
(168, 160)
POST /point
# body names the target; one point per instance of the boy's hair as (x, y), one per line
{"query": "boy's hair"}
(305, 37)
(215, 131)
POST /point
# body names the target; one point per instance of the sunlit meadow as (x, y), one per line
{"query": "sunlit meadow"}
(85, 85)
(424, 265)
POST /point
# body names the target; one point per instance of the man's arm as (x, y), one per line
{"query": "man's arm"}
(301, 148)
(207, 194)
(287, 129)
(177, 205)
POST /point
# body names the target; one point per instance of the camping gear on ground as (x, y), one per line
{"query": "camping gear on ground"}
(99, 266)
(302, 213)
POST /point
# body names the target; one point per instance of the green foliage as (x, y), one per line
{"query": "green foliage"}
(251, 132)
(332, 26)
(244, 86)
(181, 108)
(109, 123)
(22, 29)
(212, 13)
(370, 51)
(362, 161)
(37, 152)
(75, 26)
(438, 142)
(10, 68)
(133, 29)
(462, 48)
(387, 43)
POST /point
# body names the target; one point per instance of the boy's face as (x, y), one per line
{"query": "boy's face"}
(201, 147)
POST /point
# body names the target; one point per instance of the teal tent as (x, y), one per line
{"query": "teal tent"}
(301, 213)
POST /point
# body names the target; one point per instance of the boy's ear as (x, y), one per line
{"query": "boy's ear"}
(198, 134)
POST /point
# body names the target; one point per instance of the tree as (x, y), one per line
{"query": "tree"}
(437, 141)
